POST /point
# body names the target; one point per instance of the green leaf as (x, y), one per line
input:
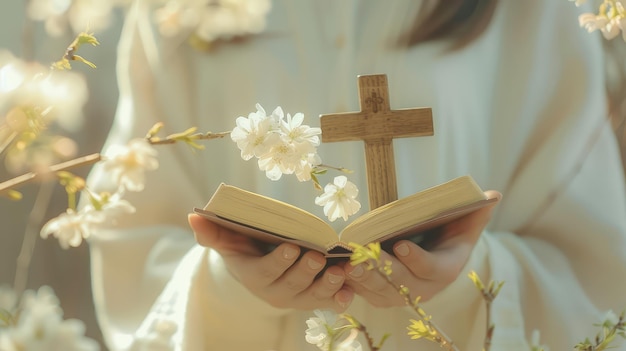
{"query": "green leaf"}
(382, 340)
(14, 195)
(6, 318)
(81, 59)
(156, 128)
(86, 38)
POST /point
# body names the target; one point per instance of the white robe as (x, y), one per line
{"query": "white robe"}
(522, 109)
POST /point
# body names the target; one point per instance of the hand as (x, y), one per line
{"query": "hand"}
(282, 278)
(425, 273)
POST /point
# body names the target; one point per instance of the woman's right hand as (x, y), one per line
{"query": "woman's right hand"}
(283, 278)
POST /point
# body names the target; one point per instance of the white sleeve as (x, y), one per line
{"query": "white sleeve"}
(137, 268)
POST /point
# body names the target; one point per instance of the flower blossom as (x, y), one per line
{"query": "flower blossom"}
(339, 199)
(282, 158)
(318, 328)
(56, 95)
(71, 227)
(39, 326)
(59, 16)
(31, 97)
(254, 135)
(128, 164)
(221, 20)
(326, 328)
(283, 145)
(610, 20)
(109, 207)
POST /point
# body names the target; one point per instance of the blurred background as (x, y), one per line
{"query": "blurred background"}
(66, 271)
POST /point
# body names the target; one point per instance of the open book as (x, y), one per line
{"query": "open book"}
(272, 222)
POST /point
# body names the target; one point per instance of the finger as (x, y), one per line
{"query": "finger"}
(260, 272)
(343, 299)
(373, 284)
(221, 239)
(328, 284)
(298, 277)
(329, 291)
(421, 263)
(476, 220)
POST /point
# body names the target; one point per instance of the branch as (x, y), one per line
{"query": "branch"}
(442, 339)
(28, 177)
(4, 144)
(184, 137)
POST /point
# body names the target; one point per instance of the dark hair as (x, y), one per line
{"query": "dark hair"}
(460, 21)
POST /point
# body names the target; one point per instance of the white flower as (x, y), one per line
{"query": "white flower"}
(591, 22)
(128, 164)
(232, 18)
(110, 207)
(211, 21)
(72, 227)
(40, 327)
(56, 95)
(326, 329)
(294, 131)
(350, 343)
(65, 94)
(254, 135)
(306, 166)
(282, 158)
(339, 199)
(319, 328)
(176, 16)
(13, 73)
(78, 15)
(41, 304)
(610, 20)
(282, 145)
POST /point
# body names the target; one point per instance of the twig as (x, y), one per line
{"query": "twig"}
(446, 342)
(197, 136)
(489, 332)
(340, 169)
(368, 337)
(30, 235)
(5, 143)
(25, 178)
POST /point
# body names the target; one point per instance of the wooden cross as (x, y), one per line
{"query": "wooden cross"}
(376, 124)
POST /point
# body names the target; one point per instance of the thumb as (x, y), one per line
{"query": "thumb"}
(473, 223)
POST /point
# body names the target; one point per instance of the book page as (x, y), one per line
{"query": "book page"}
(412, 210)
(270, 215)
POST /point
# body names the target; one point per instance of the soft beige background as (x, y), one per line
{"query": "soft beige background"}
(66, 271)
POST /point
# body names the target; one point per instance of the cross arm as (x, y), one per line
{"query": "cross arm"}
(383, 125)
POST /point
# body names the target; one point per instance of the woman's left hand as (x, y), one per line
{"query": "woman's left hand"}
(425, 273)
